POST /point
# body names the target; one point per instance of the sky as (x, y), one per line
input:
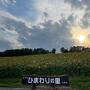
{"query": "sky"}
(44, 24)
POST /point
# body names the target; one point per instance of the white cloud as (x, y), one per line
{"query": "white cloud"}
(10, 32)
(55, 10)
(11, 36)
(8, 2)
(6, 14)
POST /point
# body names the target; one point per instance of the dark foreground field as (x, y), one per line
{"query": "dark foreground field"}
(76, 65)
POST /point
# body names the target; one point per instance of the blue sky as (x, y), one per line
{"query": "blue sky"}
(22, 8)
(44, 23)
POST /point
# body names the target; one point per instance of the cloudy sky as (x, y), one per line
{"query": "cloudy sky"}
(44, 23)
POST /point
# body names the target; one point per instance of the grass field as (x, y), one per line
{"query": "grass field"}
(76, 65)
(50, 64)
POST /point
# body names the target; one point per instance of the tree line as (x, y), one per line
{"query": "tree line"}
(75, 49)
(26, 51)
(36, 51)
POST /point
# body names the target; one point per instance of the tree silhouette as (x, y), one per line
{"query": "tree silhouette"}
(53, 50)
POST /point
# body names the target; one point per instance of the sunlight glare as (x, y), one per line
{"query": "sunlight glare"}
(81, 38)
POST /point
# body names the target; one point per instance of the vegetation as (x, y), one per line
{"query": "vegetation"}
(25, 51)
(80, 83)
(36, 51)
(75, 49)
(73, 64)
(76, 65)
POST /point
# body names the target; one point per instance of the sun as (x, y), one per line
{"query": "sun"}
(81, 38)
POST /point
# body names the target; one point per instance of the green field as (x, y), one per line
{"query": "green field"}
(76, 65)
